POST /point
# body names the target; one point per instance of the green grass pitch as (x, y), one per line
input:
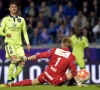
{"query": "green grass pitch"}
(49, 87)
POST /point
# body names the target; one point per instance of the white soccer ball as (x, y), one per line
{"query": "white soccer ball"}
(83, 75)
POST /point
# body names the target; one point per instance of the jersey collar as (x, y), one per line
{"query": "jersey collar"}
(65, 48)
(12, 16)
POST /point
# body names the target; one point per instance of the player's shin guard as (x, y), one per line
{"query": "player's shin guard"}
(10, 71)
(18, 71)
(26, 82)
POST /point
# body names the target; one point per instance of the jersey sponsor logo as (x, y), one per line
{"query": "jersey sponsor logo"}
(49, 76)
(14, 28)
(62, 53)
(19, 20)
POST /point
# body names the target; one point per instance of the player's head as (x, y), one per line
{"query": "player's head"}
(78, 31)
(13, 7)
(66, 42)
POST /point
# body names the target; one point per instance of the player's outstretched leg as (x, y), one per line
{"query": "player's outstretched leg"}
(19, 69)
(26, 82)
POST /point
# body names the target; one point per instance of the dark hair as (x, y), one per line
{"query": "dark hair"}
(13, 3)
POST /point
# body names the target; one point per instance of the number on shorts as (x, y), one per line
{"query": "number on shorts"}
(58, 60)
(11, 52)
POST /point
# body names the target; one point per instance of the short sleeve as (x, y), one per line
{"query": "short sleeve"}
(2, 27)
(2, 24)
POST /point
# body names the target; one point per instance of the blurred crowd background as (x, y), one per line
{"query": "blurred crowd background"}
(50, 20)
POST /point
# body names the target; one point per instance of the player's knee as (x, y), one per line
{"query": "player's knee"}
(69, 76)
(13, 57)
(22, 63)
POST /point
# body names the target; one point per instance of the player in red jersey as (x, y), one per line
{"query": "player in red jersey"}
(55, 74)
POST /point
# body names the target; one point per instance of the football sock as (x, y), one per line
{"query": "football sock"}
(25, 82)
(18, 71)
(71, 82)
(10, 71)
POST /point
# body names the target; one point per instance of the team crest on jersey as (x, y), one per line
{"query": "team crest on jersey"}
(14, 24)
(19, 20)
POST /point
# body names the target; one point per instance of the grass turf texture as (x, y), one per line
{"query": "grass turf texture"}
(49, 87)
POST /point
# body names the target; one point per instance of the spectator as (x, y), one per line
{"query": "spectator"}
(40, 26)
(43, 19)
(85, 9)
(96, 8)
(71, 33)
(45, 37)
(53, 2)
(96, 31)
(1, 11)
(88, 30)
(52, 30)
(69, 10)
(53, 6)
(80, 18)
(35, 39)
(45, 9)
(88, 27)
(58, 18)
(20, 13)
(93, 19)
(63, 29)
(59, 37)
(74, 27)
(86, 34)
(31, 10)
(31, 23)
(61, 11)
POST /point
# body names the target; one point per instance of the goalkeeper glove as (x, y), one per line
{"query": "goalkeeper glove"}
(79, 84)
(24, 58)
(20, 59)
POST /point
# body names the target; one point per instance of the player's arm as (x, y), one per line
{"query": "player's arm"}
(72, 66)
(87, 48)
(2, 27)
(24, 28)
(46, 54)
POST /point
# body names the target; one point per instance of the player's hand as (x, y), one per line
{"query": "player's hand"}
(20, 59)
(8, 35)
(24, 58)
(79, 84)
(28, 47)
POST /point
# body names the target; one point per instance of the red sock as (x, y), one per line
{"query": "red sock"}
(25, 82)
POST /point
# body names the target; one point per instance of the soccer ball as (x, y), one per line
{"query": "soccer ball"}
(83, 75)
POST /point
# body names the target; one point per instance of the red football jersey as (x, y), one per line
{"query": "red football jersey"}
(60, 60)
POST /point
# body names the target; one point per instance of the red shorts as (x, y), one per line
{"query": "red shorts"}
(43, 78)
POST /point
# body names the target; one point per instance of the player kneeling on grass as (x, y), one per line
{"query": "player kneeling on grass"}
(55, 74)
